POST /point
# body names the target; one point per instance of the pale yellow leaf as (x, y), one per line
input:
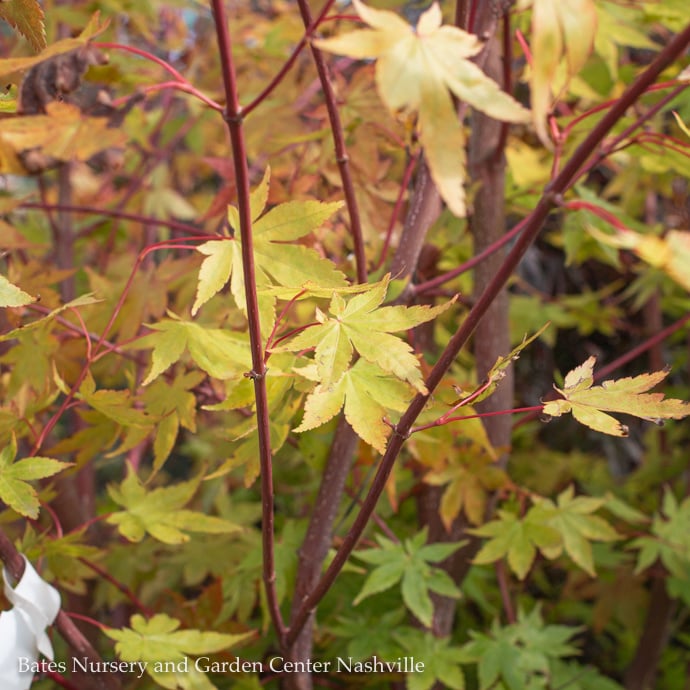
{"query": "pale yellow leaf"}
(416, 72)
(560, 29)
(590, 404)
(12, 296)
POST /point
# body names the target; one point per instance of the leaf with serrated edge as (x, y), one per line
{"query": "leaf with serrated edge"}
(92, 29)
(220, 353)
(589, 404)
(276, 261)
(12, 296)
(417, 70)
(14, 477)
(215, 269)
(159, 638)
(359, 324)
(366, 393)
(160, 512)
(27, 17)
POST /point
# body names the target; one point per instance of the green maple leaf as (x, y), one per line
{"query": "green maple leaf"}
(417, 69)
(160, 512)
(515, 538)
(589, 403)
(276, 260)
(174, 404)
(519, 655)
(409, 564)
(441, 660)
(670, 539)
(62, 557)
(159, 640)
(370, 631)
(366, 393)
(550, 528)
(15, 490)
(99, 434)
(572, 518)
(222, 354)
(361, 324)
(113, 404)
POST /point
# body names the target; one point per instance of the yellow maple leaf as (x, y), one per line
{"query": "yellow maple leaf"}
(670, 253)
(589, 404)
(560, 28)
(417, 69)
(63, 133)
(27, 17)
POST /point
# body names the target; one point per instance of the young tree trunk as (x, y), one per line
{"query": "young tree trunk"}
(317, 541)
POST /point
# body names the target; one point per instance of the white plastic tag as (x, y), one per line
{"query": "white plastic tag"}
(23, 628)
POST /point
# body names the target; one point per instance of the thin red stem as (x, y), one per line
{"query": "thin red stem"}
(144, 54)
(341, 155)
(148, 612)
(135, 217)
(610, 218)
(279, 318)
(524, 45)
(179, 86)
(233, 119)
(447, 420)
(430, 285)
(86, 619)
(280, 75)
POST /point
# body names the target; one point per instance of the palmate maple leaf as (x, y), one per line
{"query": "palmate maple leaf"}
(362, 324)
(278, 259)
(417, 69)
(589, 404)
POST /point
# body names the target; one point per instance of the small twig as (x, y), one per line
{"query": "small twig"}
(269, 341)
(135, 217)
(233, 119)
(438, 281)
(177, 86)
(341, 155)
(180, 81)
(280, 75)
(148, 612)
(479, 415)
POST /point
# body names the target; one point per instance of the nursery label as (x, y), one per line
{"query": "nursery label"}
(407, 664)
